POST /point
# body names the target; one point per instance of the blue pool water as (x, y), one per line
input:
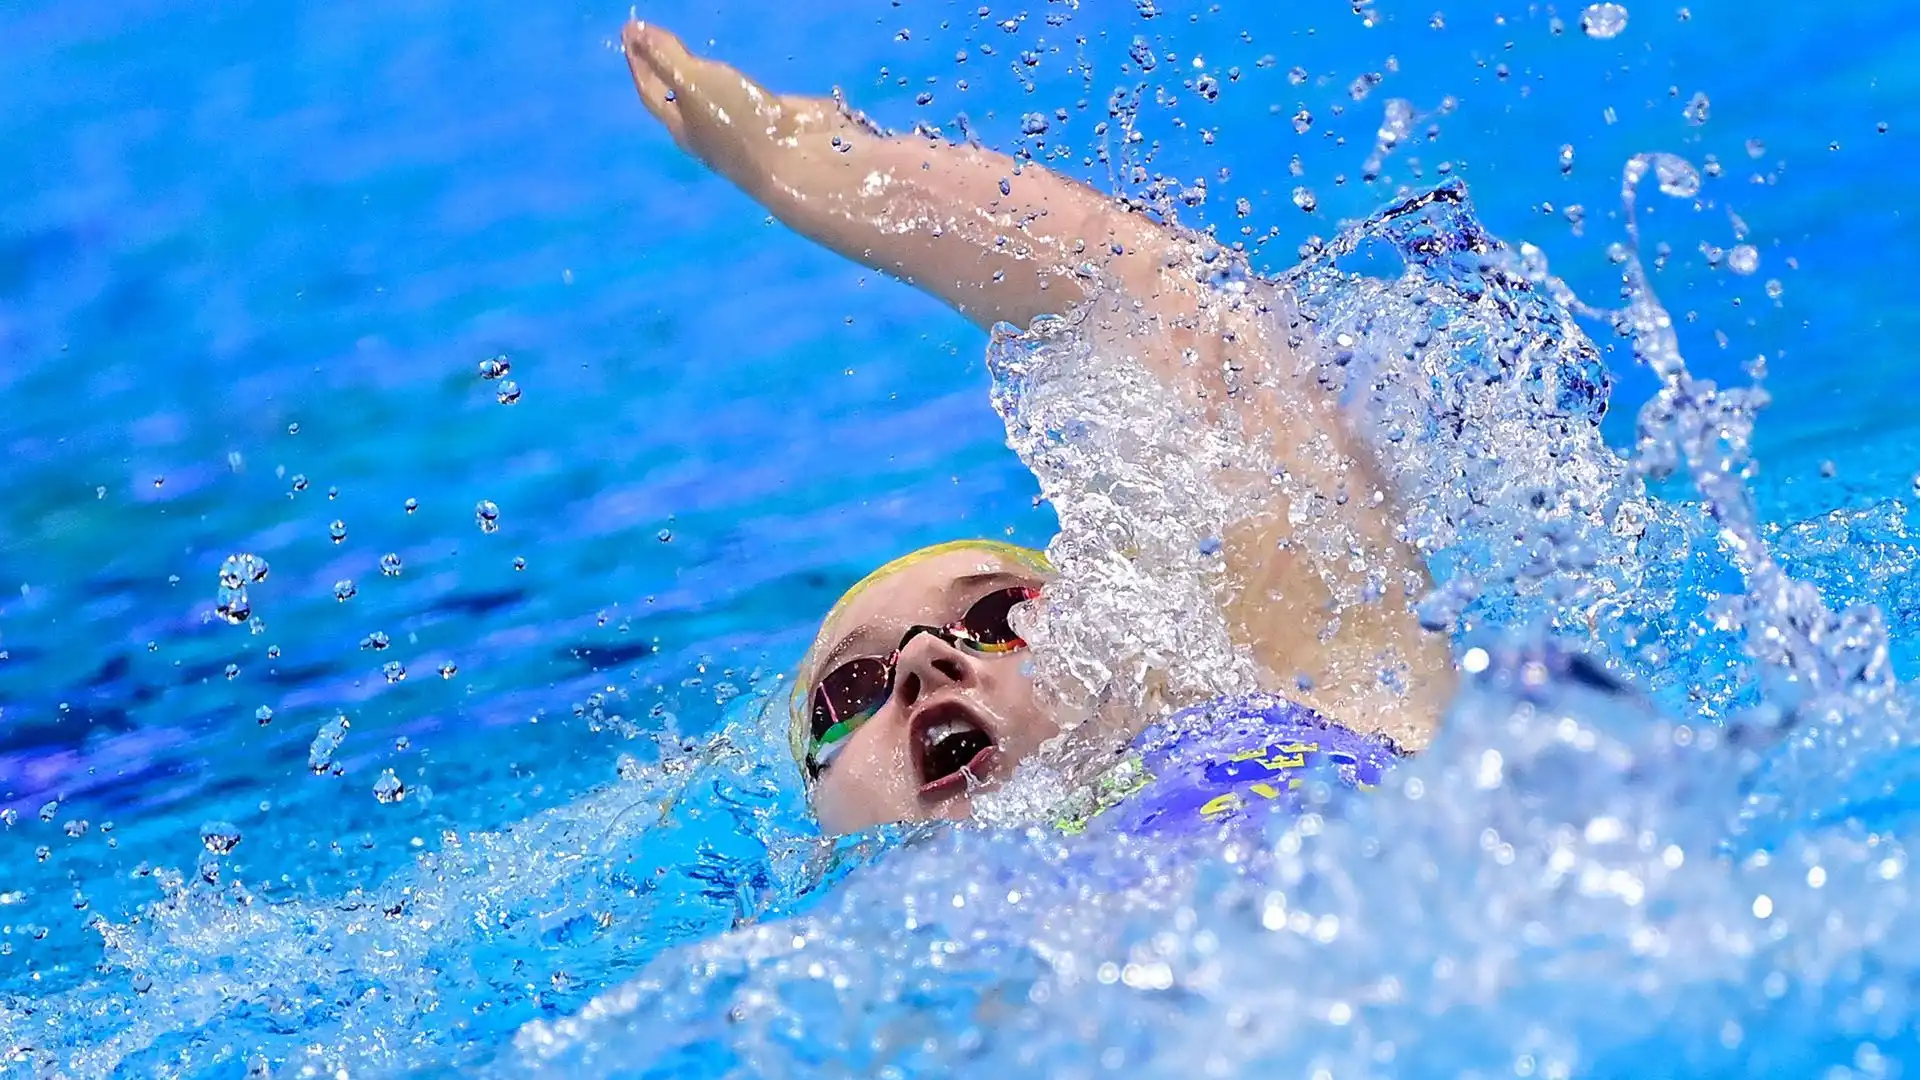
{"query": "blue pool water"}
(251, 260)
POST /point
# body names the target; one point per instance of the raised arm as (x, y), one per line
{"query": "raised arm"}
(996, 240)
(1321, 582)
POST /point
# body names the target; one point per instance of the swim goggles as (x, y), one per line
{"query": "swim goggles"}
(852, 693)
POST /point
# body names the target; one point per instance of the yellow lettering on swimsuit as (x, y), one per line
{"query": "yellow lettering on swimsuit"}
(1265, 790)
(1291, 755)
(1220, 804)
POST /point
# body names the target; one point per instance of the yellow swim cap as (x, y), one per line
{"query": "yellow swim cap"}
(1030, 558)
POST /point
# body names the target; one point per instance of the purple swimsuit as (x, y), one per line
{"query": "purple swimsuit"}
(1238, 757)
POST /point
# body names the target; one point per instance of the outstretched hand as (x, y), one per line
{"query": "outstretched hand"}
(733, 124)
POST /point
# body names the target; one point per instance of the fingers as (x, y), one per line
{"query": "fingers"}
(641, 43)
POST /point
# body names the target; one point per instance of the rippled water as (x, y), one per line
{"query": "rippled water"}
(563, 841)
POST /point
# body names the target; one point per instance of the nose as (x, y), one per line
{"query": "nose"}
(928, 663)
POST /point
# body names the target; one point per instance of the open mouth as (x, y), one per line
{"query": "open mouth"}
(951, 746)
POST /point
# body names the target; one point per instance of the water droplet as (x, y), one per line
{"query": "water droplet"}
(1297, 76)
(273, 652)
(337, 531)
(49, 810)
(1916, 494)
(76, 828)
(242, 569)
(403, 744)
(232, 605)
(233, 672)
(1698, 109)
(395, 671)
(1828, 469)
(449, 669)
(299, 481)
(220, 837)
(264, 715)
(344, 590)
(159, 481)
(519, 562)
(325, 742)
(1603, 21)
(1302, 122)
(1743, 259)
(1305, 200)
(376, 641)
(1033, 123)
(293, 428)
(494, 367)
(665, 535)
(509, 392)
(10, 816)
(1142, 54)
(390, 564)
(487, 516)
(1756, 149)
(1566, 159)
(412, 505)
(388, 789)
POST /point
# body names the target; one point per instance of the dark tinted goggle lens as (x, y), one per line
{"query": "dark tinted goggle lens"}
(850, 690)
(989, 622)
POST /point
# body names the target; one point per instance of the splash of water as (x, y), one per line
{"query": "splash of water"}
(1556, 886)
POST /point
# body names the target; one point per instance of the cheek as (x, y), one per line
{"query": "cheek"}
(867, 783)
(1016, 701)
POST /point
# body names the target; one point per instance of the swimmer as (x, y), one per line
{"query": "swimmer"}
(913, 698)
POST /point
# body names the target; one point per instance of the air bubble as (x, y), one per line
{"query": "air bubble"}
(220, 837)
(344, 590)
(1603, 21)
(1743, 259)
(1302, 122)
(494, 367)
(48, 811)
(1305, 199)
(233, 672)
(337, 531)
(487, 516)
(375, 641)
(390, 564)
(395, 671)
(412, 505)
(1033, 123)
(664, 535)
(299, 481)
(449, 669)
(263, 715)
(9, 817)
(509, 392)
(519, 562)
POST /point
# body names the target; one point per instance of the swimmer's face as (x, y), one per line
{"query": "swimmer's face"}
(957, 720)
